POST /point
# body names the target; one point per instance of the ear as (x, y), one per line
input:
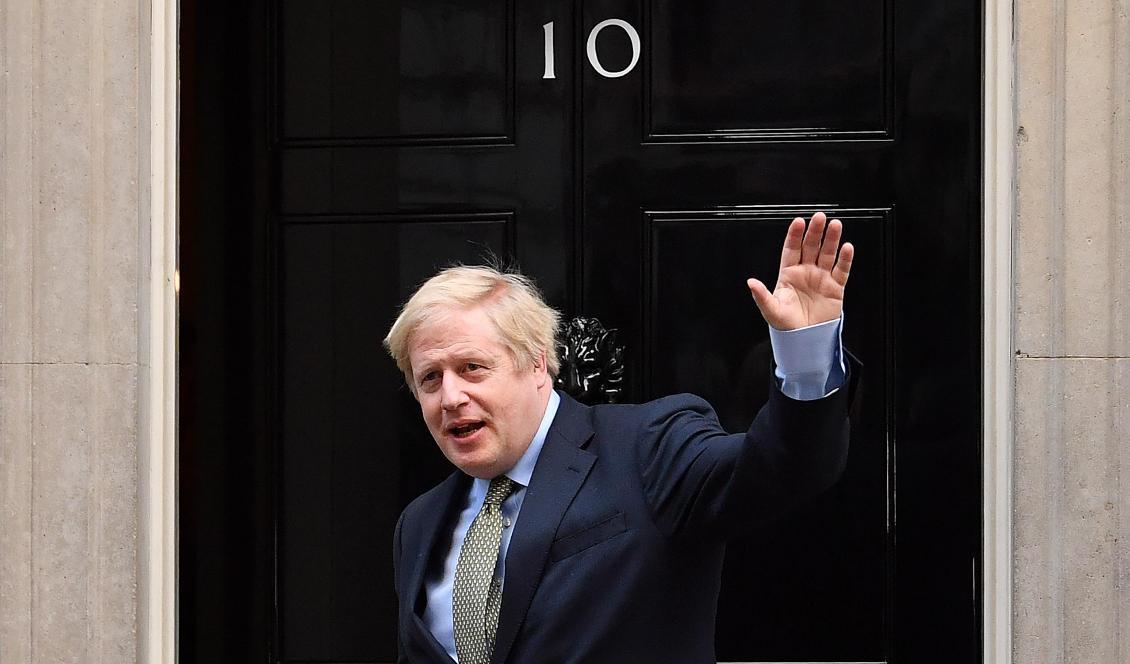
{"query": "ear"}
(541, 369)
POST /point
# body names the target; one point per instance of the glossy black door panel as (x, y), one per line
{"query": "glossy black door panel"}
(358, 179)
(766, 71)
(396, 72)
(349, 429)
(404, 146)
(818, 592)
(700, 334)
(678, 204)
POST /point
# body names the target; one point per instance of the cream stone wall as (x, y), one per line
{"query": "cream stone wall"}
(71, 218)
(1071, 513)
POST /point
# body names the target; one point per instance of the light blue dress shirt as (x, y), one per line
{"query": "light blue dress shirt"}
(809, 365)
(437, 613)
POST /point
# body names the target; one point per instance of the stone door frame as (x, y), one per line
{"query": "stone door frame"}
(157, 489)
(998, 386)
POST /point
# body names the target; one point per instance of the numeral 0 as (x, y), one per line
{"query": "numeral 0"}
(590, 48)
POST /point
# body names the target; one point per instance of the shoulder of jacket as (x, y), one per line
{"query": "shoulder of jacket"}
(682, 401)
(661, 408)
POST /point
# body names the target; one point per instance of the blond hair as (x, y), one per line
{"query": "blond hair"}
(511, 301)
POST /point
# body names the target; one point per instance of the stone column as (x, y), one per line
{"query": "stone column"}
(1072, 413)
(71, 214)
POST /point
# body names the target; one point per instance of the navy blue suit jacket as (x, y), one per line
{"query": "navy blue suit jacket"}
(617, 556)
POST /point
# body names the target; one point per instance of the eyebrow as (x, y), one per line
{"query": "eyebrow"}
(481, 357)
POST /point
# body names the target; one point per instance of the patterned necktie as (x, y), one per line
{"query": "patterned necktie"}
(476, 595)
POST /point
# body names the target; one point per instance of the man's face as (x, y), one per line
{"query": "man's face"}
(482, 410)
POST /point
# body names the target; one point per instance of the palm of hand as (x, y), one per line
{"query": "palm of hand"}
(811, 281)
(806, 295)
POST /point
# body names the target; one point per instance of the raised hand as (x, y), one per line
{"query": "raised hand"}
(810, 284)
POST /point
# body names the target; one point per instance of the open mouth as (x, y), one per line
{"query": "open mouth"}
(465, 430)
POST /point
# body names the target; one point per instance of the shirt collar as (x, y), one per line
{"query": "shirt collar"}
(524, 469)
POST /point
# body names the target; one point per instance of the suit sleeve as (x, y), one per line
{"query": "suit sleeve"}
(699, 480)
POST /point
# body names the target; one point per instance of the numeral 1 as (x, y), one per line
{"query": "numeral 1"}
(549, 71)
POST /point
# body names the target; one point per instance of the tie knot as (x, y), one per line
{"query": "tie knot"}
(500, 488)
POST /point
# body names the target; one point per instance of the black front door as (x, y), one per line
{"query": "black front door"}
(640, 160)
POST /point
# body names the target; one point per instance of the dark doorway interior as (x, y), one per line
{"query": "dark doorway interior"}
(335, 152)
(224, 500)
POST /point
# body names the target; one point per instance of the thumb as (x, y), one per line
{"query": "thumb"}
(765, 301)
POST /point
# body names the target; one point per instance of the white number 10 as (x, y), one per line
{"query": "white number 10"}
(590, 48)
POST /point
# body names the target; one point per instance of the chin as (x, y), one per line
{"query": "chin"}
(479, 471)
(485, 469)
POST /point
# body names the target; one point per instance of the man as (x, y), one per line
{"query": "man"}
(596, 534)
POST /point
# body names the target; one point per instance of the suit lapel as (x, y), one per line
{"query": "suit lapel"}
(435, 520)
(422, 645)
(560, 471)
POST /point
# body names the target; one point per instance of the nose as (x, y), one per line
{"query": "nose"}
(452, 395)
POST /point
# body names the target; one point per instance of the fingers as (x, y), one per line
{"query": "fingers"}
(812, 238)
(831, 243)
(843, 266)
(817, 243)
(791, 252)
(765, 301)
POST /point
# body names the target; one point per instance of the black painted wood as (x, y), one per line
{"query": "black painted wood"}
(360, 72)
(225, 432)
(744, 71)
(812, 586)
(353, 446)
(380, 141)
